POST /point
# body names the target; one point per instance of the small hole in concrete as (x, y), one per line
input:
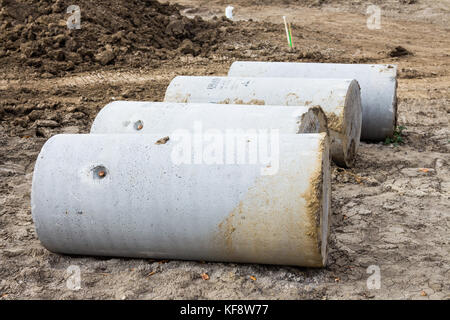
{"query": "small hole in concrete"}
(138, 125)
(99, 172)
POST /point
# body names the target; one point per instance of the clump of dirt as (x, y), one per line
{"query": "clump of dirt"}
(35, 33)
(399, 52)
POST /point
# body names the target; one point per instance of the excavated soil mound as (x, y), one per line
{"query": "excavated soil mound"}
(316, 3)
(34, 33)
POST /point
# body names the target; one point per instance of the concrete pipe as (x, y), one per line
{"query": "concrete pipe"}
(155, 117)
(340, 99)
(129, 196)
(378, 87)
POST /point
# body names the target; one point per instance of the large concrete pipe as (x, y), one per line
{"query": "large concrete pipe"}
(128, 195)
(378, 87)
(155, 117)
(340, 99)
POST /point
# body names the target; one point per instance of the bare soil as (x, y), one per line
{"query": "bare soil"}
(391, 210)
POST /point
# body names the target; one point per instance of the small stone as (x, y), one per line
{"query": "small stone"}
(105, 57)
(35, 115)
(71, 130)
(205, 276)
(47, 123)
(364, 212)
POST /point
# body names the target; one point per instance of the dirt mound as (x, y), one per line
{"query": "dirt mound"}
(35, 33)
(315, 3)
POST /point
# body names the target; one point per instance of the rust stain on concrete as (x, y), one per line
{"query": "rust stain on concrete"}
(279, 219)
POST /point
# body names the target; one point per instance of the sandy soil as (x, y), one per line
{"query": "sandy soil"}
(392, 210)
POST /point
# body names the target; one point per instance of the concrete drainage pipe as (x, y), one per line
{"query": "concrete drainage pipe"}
(378, 87)
(126, 196)
(340, 99)
(156, 117)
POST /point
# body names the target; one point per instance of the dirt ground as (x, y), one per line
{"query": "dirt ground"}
(391, 210)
